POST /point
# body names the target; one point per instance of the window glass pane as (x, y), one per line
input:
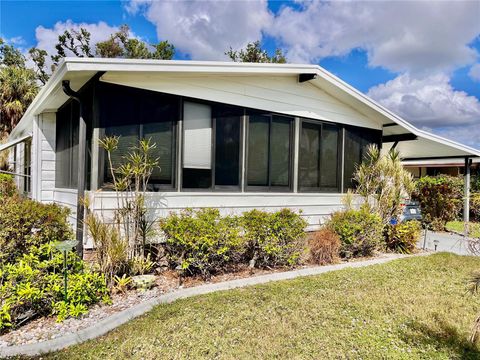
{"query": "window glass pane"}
(227, 150)
(352, 156)
(280, 152)
(356, 143)
(62, 152)
(258, 140)
(128, 138)
(161, 134)
(74, 150)
(197, 145)
(329, 157)
(309, 159)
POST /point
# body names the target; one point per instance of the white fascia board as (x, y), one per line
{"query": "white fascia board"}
(392, 116)
(185, 66)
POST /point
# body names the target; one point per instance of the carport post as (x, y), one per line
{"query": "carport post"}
(466, 197)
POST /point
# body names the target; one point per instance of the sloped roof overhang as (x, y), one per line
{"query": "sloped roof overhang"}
(416, 144)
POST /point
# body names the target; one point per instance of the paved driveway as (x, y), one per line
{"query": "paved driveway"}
(446, 242)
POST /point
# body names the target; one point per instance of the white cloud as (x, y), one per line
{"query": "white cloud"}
(431, 102)
(413, 36)
(205, 29)
(467, 135)
(474, 72)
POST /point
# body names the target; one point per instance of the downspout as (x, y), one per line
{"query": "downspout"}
(82, 139)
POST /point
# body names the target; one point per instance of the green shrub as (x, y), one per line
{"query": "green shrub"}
(33, 287)
(25, 223)
(475, 205)
(324, 247)
(403, 237)
(7, 186)
(360, 232)
(273, 239)
(440, 199)
(201, 242)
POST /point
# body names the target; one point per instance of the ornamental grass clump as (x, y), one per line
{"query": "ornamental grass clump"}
(324, 247)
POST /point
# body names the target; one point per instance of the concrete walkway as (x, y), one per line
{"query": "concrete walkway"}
(110, 323)
(448, 242)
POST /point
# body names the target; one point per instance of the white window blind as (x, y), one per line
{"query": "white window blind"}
(197, 146)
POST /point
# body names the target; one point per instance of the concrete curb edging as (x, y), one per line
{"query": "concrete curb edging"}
(120, 318)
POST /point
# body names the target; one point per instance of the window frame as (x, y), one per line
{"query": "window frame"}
(269, 188)
(213, 187)
(103, 171)
(340, 150)
(71, 183)
(27, 166)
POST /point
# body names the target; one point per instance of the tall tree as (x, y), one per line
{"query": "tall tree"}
(254, 53)
(18, 87)
(118, 45)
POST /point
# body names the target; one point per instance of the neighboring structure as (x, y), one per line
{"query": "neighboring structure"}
(453, 167)
(235, 136)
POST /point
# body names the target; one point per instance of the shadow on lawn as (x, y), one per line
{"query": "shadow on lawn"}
(443, 336)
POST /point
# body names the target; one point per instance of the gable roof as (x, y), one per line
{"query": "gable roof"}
(80, 70)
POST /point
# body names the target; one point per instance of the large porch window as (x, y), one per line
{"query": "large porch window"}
(320, 157)
(211, 146)
(134, 114)
(269, 165)
(66, 160)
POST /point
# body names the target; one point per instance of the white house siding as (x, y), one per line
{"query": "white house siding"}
(314, 208)
(282, 94)
(44, 133)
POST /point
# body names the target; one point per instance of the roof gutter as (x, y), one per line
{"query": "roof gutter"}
(82, 139)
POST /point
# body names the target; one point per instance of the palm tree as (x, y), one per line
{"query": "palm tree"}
(18, 87)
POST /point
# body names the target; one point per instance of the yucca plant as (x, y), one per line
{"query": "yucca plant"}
(474, 287)
(383, 183)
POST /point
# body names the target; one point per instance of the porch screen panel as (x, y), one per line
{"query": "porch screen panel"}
(356, 144)
(258, 150)
(227, 146)
(329, 158)
(197, 145)
(62, 151)
(66, 147)
(309, 158)
(161, 134)
(135, 114)
(280, 138)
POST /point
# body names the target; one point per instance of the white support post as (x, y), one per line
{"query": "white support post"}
(466, 197)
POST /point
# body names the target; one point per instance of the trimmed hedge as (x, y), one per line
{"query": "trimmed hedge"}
(203, 242)
(25, 223)
(360, 232)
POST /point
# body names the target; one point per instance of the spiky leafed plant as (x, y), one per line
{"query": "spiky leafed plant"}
(383, 183)
(474, 285)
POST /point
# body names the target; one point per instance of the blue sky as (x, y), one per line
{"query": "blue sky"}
(419, 59)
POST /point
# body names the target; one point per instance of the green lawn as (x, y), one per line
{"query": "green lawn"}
(415, 308)
(458, 226)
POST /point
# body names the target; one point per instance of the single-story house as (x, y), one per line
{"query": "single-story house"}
(433, 167)
(234, 136)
